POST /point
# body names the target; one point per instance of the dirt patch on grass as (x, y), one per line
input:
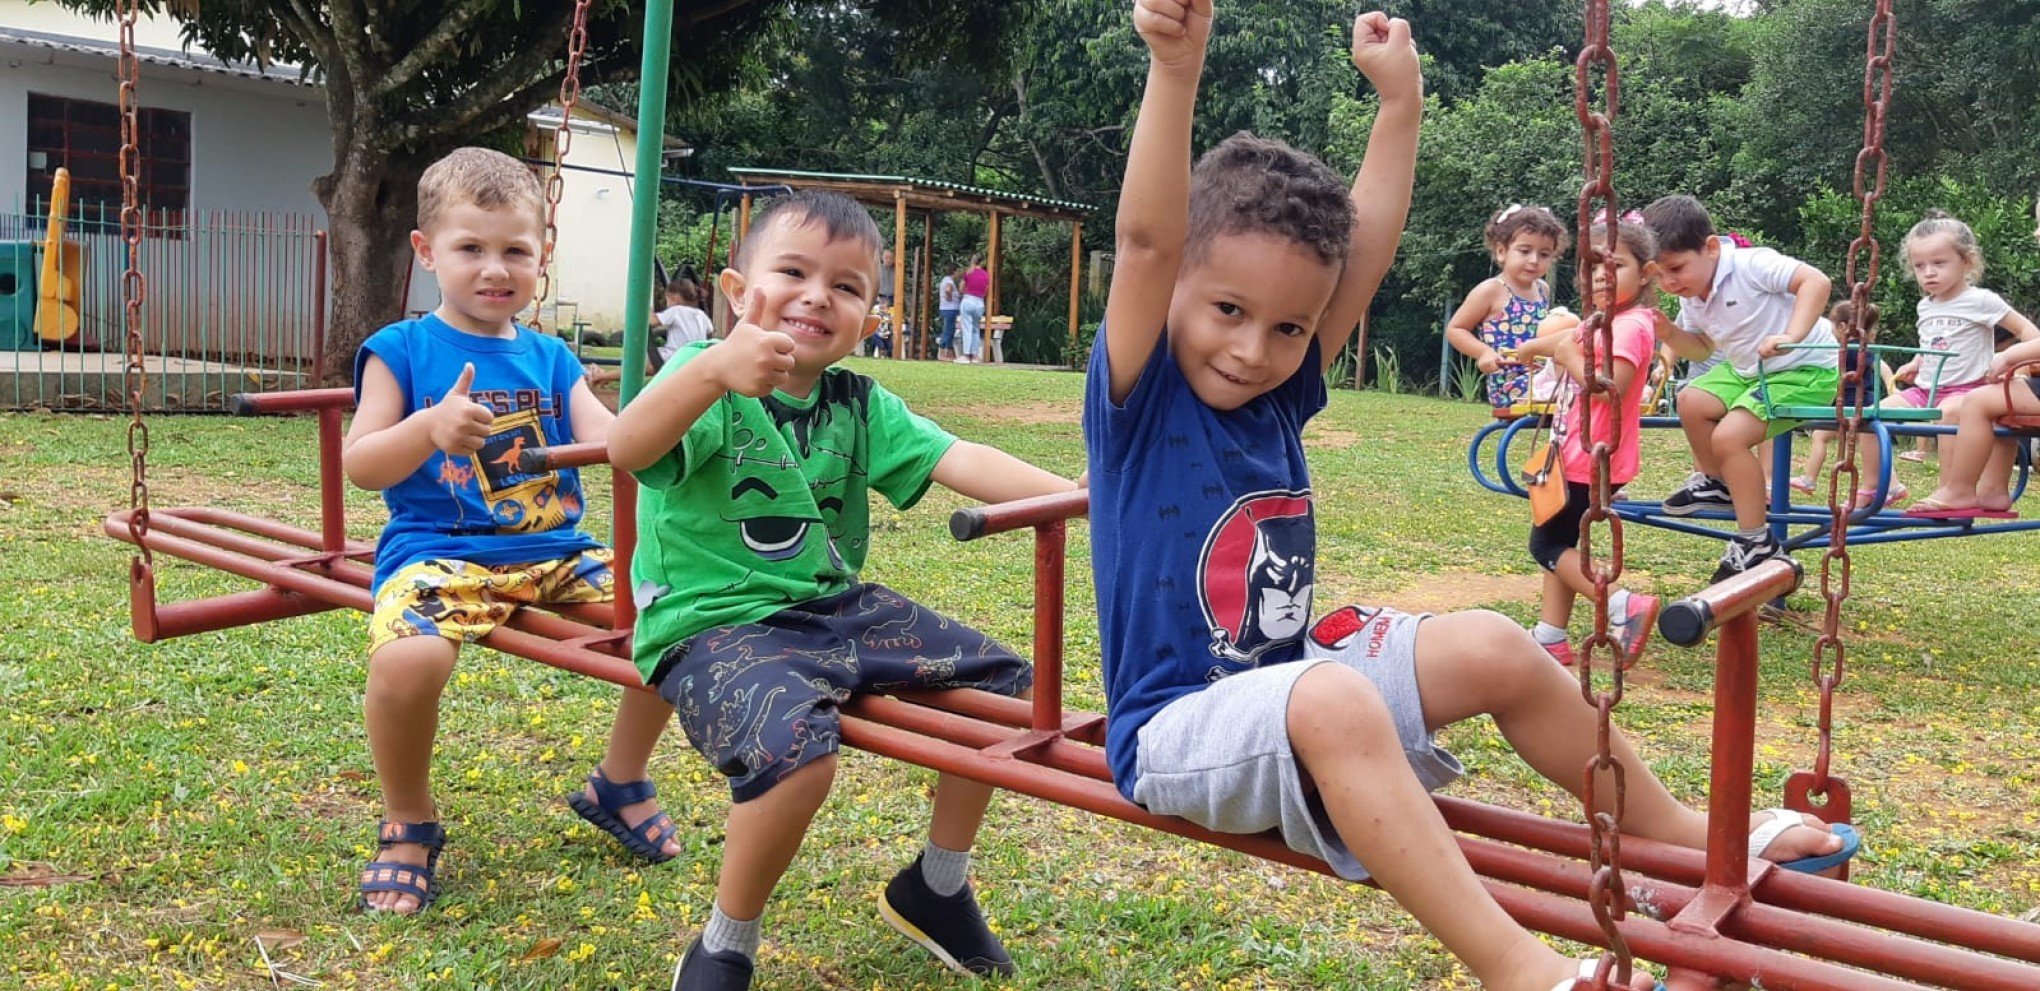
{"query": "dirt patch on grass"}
(1450, 591)
(1025, 413)
(1319, 437)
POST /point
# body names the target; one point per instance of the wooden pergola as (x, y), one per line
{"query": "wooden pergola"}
(927, 197)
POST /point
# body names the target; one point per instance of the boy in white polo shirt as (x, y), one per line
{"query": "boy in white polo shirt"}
(1746, 303)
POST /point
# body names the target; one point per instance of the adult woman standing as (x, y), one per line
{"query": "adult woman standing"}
(977, 284)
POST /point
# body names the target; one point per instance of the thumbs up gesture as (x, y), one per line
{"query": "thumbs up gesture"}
(753, 361)
(460, 426)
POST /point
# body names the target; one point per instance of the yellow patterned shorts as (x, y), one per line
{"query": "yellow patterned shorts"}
(462, 601)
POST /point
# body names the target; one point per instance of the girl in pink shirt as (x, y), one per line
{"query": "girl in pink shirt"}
(1554, 543)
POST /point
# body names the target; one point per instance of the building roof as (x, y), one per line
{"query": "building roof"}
(921, 194)
(289, 75)
(588, 110)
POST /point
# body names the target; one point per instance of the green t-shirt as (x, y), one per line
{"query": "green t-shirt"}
(764, 503)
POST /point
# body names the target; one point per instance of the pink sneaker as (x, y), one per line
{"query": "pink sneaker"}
(1560, 651)
(1633, 630)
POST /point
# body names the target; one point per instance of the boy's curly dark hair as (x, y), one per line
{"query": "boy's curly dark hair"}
(1255, 185)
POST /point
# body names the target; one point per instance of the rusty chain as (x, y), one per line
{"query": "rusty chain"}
(1829, 653)
(563, 142)
(135, 289)
(1597, 203)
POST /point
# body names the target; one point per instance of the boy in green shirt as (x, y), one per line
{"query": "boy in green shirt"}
(756, 458)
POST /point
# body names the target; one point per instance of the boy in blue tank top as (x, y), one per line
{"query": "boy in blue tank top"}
(1233, 289)
(445, 404)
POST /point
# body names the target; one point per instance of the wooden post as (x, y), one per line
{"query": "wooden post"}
(923, 303)
(992, 298)
(1076, 273)
(899, 273)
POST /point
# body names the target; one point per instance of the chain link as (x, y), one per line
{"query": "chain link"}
(1598, 397)
(563, 142)
(134, 288)
(1859, 362)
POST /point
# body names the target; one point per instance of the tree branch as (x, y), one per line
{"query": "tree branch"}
(519, 104)
(348, 30)
(991, 130)
(513, 78)
(312, 32)
(427, 50)
(378, 41)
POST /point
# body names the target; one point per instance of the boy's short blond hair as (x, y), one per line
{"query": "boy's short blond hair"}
(482, 177)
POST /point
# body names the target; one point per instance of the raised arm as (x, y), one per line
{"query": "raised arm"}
(1154, 201)
(1384, 53)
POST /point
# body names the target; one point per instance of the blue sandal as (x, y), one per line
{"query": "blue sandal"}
(1783, 819)
(648, 839)
(406, 879)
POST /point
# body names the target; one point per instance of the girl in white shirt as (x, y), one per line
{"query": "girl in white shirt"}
(1955, 314)
(682, 318)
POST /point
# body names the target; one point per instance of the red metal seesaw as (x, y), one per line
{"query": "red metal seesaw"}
(1710, 917)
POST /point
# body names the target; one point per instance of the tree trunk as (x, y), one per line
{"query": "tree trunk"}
(371, 203)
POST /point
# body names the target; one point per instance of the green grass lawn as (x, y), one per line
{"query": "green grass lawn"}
(172, 811)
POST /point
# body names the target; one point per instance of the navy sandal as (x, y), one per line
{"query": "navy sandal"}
(650, 836)
(1781, 820)
(407, 879)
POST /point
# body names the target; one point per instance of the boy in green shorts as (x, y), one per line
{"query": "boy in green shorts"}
(1746, 303)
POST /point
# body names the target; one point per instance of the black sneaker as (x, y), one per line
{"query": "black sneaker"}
(952, 928)
(703, 970)
(1742, 555)
(1701, 491)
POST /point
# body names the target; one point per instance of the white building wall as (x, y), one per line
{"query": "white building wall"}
(591, 265)
(255, 144)
(256, 147)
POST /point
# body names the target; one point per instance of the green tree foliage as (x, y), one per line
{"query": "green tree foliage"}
(1831, 219)
(1757, 112)
(1466, 38)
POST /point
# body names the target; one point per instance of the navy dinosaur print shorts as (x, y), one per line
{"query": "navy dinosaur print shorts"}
(759, 700)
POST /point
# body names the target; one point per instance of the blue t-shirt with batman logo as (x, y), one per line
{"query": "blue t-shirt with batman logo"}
(481, 508)
(1203, 543)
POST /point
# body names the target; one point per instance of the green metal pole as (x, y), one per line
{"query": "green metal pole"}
(644, 206)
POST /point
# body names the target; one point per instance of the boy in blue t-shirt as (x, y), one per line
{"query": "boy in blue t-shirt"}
(445, 403)
(1233, 288)
(756, 459)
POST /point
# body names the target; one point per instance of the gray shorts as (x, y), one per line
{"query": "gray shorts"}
(1220, 757)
